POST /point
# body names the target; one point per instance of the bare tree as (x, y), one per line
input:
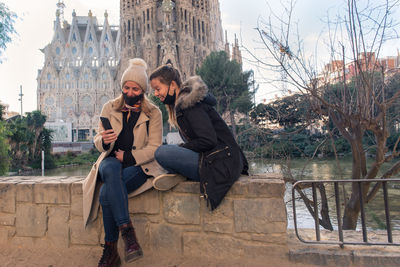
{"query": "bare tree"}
(352, 91)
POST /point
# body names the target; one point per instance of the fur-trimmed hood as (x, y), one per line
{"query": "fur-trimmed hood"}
(193, 91)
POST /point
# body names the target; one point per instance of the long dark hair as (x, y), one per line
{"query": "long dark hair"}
(167, 74)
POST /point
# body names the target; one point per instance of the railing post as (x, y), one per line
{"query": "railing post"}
(338, 213)
(387, 212)
(364, 228)
(316, 217)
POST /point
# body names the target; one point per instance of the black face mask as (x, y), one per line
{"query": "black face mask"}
(130, 101)
(170, 99)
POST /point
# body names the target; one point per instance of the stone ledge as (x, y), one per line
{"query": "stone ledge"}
(49, 210)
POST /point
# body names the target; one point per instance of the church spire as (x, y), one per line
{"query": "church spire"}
(227, 50)
(236, 54)
(60, 9)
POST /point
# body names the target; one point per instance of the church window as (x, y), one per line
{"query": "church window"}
(48, 76)
(106, 51)
(67, 76)
(106, 37)
(68, 100)
(73, 37)
(86, 76)
(90, 37)
(74, 50)
(58, 50)
(90, 50)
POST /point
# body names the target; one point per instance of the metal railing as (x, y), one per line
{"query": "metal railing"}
(341, 241)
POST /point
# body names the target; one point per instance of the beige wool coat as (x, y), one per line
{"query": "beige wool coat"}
(144, 146)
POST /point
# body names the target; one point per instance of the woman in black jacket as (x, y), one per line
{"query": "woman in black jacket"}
(210, 153)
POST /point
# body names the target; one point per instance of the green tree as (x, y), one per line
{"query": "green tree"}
(228, 83)
(359, 109)
(7, 20)
(27, 138)
(4, 158)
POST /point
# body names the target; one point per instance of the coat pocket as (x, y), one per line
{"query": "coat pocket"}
(219, 164)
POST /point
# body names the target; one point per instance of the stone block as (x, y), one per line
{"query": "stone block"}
(211, 245)
(165, 238)
(182, 209)
(147, 202)
(280, 238)
(76, 188)
(259, 215)
(31, 220)
(256, 187)
(52, 193)
(58, 230)
(81, 236)
(142, 229)
(7, 198)
(219, 220)
(3, 235)
(25, 192)
(76, 205)
(187, 187)
(7, 219)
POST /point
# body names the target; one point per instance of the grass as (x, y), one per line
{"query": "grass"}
(75, 158)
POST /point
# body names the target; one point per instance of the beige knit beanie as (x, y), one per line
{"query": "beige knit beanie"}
(136, 72)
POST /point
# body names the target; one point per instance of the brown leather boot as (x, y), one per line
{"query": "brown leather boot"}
(133, 251)
(110, 257)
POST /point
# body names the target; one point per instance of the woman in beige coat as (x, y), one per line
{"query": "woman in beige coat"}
(126, 163)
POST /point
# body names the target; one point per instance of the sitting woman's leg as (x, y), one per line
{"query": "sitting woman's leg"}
(176, 159)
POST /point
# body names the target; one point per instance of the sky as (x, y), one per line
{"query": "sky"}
(23, 58)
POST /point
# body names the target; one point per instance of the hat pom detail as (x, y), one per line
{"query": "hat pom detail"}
(137, 62)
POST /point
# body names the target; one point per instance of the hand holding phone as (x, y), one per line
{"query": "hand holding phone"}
(107, 135)
(106, 123)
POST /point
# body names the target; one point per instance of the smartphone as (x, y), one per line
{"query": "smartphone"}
(106, 123)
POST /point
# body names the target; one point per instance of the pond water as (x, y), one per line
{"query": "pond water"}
(304, 170)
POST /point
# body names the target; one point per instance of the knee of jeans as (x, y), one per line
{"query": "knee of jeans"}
(103, 198)
(160, 154)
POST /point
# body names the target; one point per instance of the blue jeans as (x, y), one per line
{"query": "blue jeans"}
(176, 159)
(118, 183)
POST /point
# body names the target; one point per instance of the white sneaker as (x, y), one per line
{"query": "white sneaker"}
(167, 181)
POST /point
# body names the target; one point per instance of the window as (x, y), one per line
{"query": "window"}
(58, 51)
(48, 76)
(74, 50)
(90, 50)
(73, 37)
(67, 76)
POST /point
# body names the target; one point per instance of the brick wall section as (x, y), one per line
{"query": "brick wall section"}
(251, 221)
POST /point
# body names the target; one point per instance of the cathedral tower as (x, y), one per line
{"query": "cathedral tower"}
(78, 76)
(183, 32)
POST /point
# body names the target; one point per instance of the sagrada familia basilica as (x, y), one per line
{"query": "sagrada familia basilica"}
(83, 61)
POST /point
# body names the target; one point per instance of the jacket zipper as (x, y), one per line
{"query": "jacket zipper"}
(219, 150)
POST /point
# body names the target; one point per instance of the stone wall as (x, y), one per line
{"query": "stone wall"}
(251, 221)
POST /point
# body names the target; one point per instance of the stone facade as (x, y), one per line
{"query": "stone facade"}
(183, 32)
(250, 222)
(79, 71)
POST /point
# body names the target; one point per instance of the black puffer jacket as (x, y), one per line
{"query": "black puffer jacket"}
(221, 159)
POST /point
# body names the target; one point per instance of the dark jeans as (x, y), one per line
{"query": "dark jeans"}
(176, 159)
(118, 183)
